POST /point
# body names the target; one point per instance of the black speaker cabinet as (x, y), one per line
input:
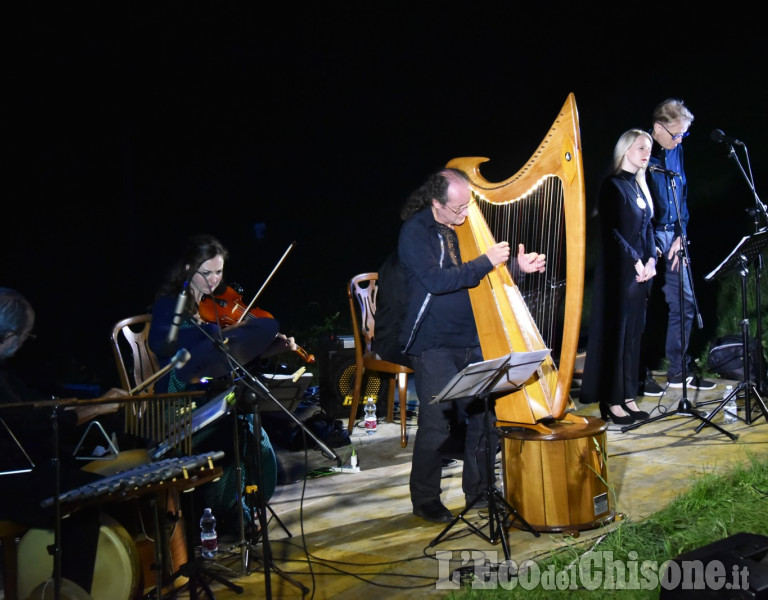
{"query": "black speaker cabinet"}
(343, 385)
(735, 567)
(336, 370)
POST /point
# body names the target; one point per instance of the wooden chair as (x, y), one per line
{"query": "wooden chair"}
(362, 291)
(135, 360)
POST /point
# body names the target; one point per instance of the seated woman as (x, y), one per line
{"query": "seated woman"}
(215, 353)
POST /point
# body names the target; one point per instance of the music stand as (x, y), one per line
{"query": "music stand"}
(745, 251)
(479, 380)
(249, 384)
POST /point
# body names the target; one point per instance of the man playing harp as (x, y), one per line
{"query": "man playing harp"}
(440, 336)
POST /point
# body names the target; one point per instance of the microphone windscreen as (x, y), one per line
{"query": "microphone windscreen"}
(181, 358)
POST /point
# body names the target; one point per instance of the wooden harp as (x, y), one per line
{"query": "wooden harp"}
(542, 206)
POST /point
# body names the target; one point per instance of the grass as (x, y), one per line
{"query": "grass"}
(714, 508)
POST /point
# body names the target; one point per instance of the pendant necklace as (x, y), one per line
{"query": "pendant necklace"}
(640, 198)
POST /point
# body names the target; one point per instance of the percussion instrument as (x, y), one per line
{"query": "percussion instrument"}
(69, 591)
(558, 481)
(182, 473)
(198, 419)
(164, 478)
(116, 574)
(139, 519)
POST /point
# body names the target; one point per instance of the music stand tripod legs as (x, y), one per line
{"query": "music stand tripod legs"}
(684, 407)
(746, 385)
(252, 501)
(195, 568)
(248, 398)
(498, 507)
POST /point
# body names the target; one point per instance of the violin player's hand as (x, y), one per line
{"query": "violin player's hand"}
(281, 343)
(292, 345)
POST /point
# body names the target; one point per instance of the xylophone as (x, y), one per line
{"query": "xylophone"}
(178, 472)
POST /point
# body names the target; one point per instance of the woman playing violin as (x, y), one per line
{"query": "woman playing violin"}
(197, 277)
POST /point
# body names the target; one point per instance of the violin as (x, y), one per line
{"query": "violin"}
(228, 309)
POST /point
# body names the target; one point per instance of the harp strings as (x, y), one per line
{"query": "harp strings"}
(536, 220)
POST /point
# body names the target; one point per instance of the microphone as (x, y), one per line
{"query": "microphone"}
(178, 314)
(181, 358)
(718, 136)
(658, 169)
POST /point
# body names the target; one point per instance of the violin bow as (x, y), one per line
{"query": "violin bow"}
(266, 281)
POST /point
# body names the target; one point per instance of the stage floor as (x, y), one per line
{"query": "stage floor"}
(353, 535)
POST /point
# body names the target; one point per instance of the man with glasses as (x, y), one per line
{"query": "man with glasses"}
(439, 335)
(669, 189)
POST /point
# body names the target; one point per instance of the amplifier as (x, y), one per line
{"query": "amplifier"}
(336, 370)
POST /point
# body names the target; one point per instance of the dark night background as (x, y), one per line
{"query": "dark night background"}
(132, 126)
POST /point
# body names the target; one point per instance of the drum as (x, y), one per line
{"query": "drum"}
(116, 572)
(69, 591)
(138, 516)
(558, 481)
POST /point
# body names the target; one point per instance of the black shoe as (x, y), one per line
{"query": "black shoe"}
(607, 415)
(649, 387)
(692, 381)
(449, 462)
(434, 512)
(637, 415)
(479, 501)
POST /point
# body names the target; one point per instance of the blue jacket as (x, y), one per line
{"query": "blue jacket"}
(438, 311)
(660, 186)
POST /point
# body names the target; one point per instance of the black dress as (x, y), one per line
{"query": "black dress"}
(617, 317)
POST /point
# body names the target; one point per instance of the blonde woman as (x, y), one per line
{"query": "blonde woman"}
(626, 265)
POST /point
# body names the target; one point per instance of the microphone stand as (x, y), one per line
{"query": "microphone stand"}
(179, 360)
(750, 182)
(760, 209)
(257, 387)
(684, 407)
(55, 550)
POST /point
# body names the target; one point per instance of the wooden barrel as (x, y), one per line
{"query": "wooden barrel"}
(558, 481)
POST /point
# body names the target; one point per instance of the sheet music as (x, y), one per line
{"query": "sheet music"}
(201, 417)
(750, 246)
(473, 379)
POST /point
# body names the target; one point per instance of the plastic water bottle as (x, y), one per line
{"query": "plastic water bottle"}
(371, 422)
(209, 539)
(730, 410)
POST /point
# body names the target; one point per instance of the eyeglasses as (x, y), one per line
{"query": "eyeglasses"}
(461, 209)
(675, 136)
(24, 336)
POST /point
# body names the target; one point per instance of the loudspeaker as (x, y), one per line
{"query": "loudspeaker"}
(735, 567)
(336, 370)
(343, 385)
